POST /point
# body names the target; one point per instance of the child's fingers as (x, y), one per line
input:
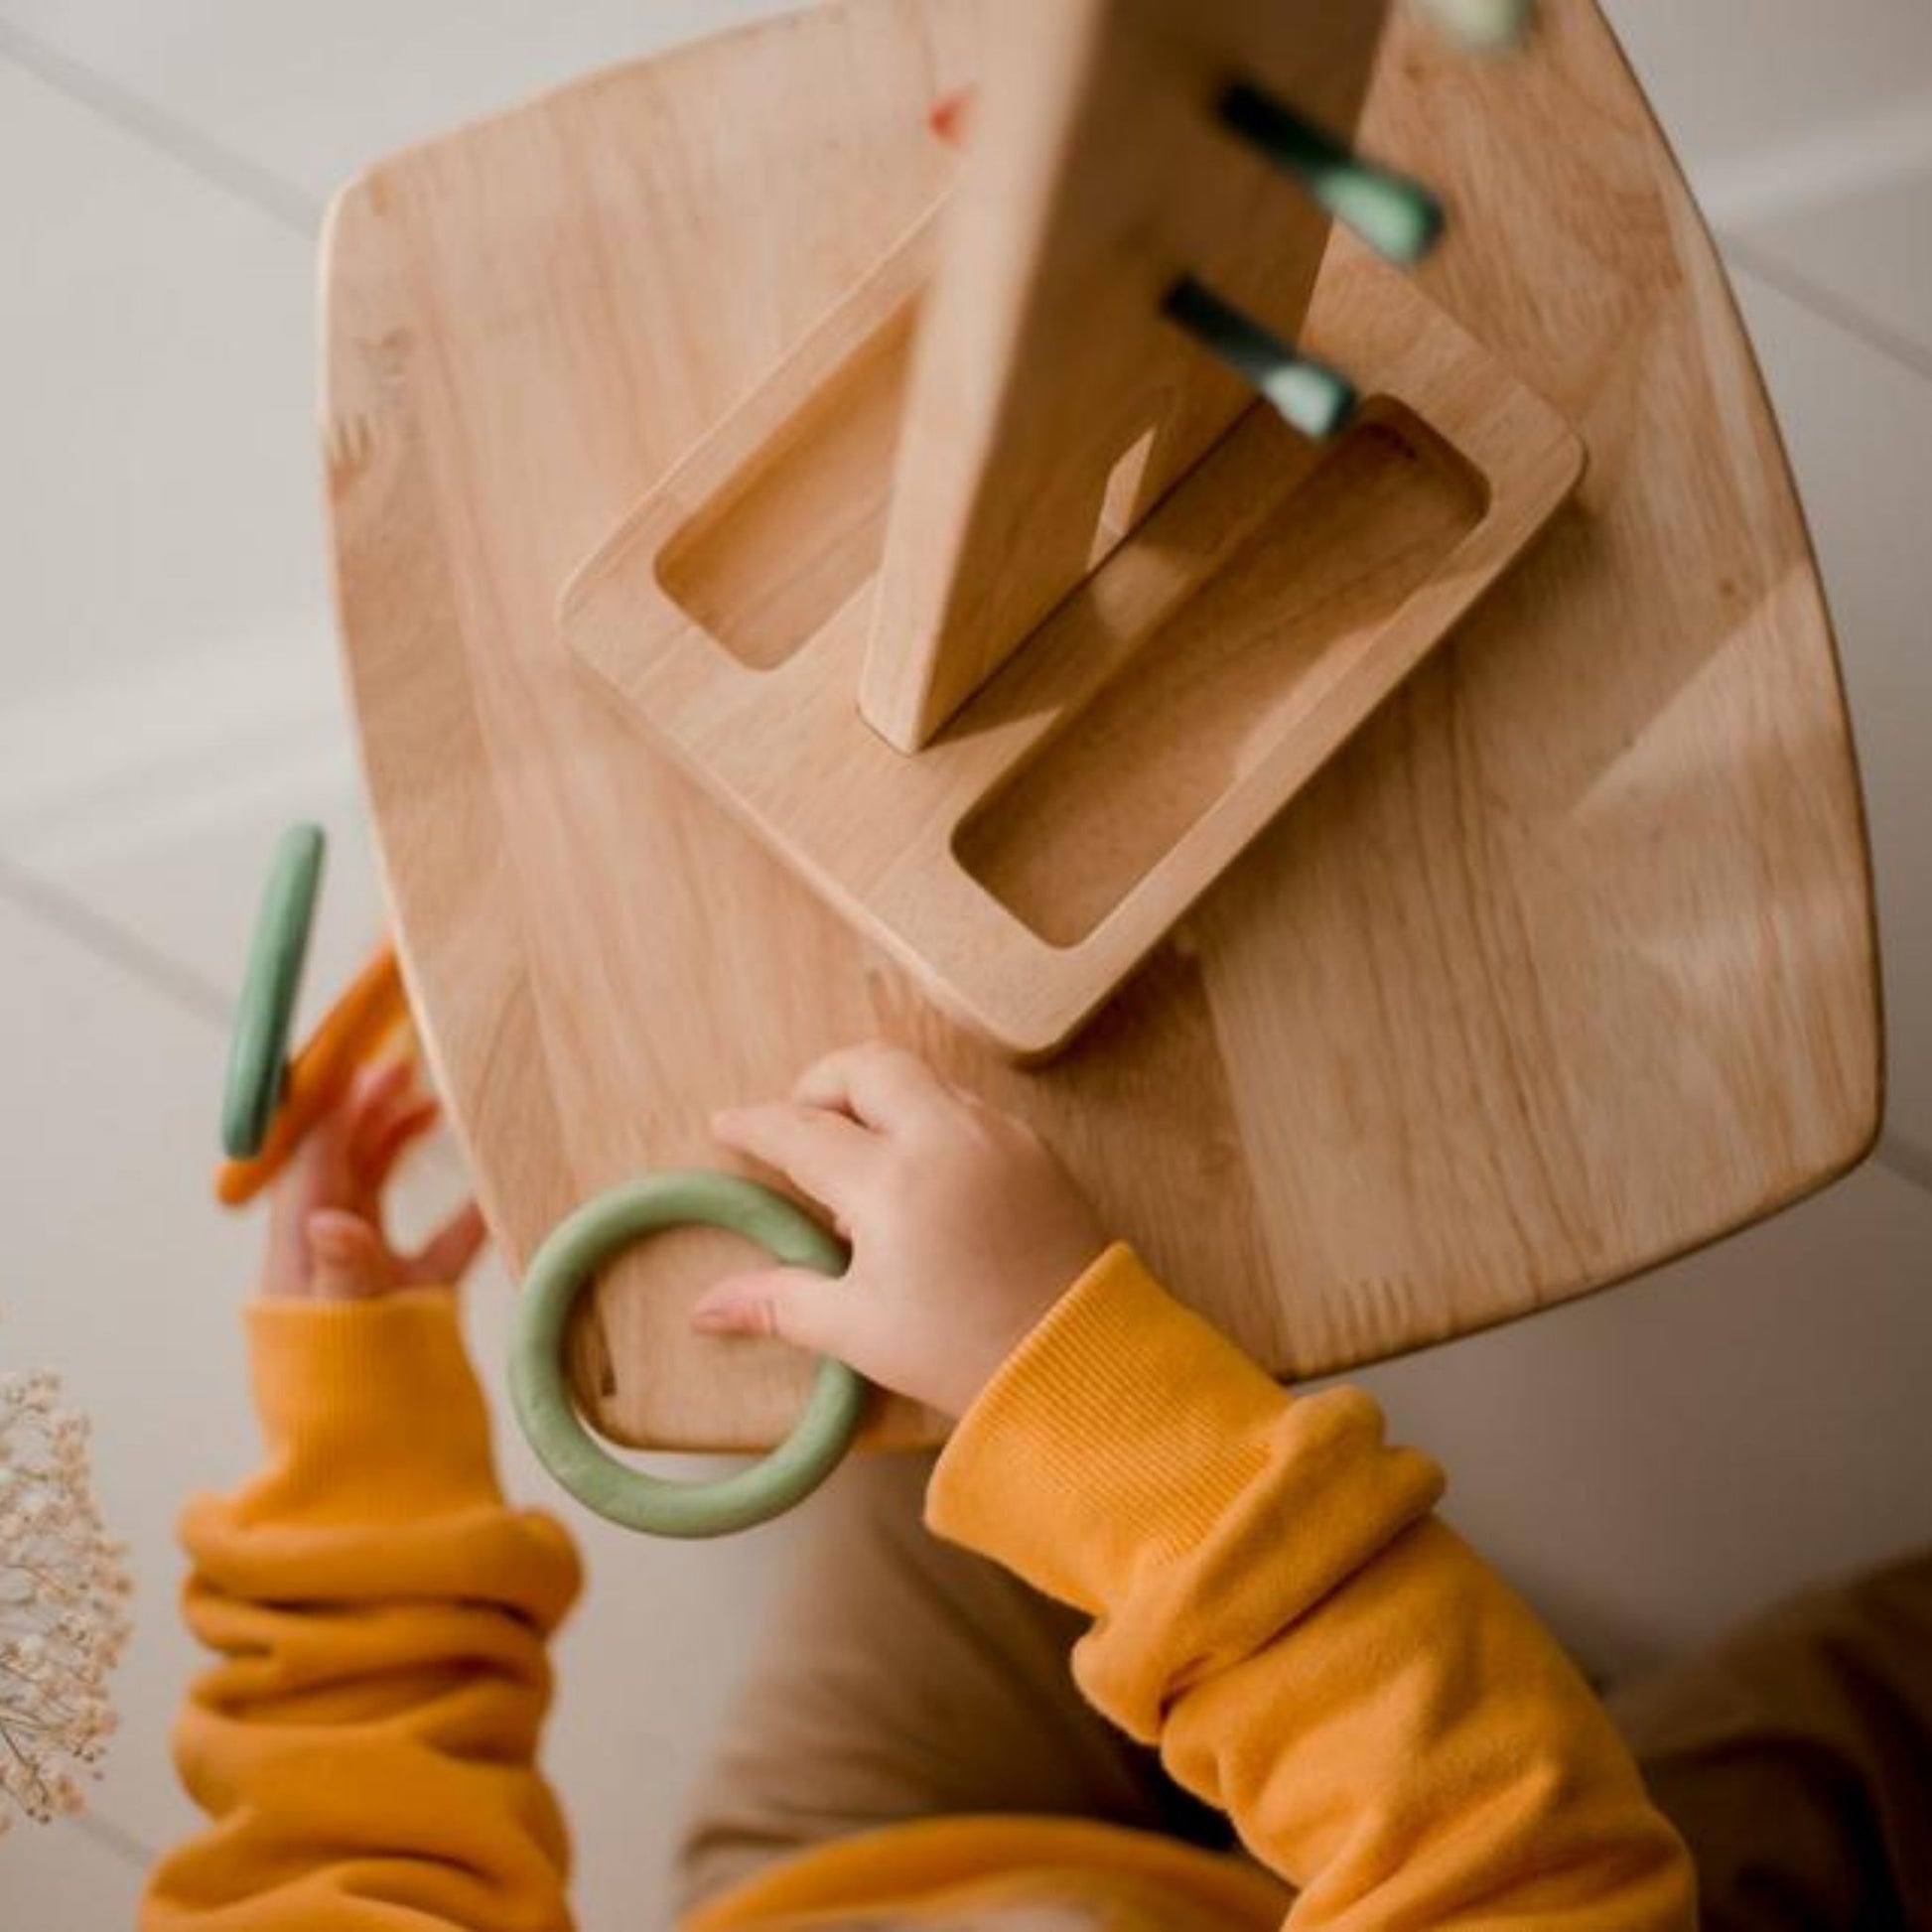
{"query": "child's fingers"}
(374, 1094)
(798, 1304)
(882, 1086)
(348, 1260)
(445, 1258)
(374, 1091)
(341, 1125)
(390, 1139)
(825, 1154)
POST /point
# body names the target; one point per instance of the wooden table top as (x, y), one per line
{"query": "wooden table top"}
(1563, 967)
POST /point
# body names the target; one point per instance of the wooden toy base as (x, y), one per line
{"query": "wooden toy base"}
(1563, 965)
(1025, 863)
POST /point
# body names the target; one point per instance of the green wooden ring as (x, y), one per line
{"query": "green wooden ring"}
(564, 1266)
(258, 1047)
(1484, 25)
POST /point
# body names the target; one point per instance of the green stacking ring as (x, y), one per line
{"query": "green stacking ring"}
(1486, 25)
(258, 1048)
(564, 1266)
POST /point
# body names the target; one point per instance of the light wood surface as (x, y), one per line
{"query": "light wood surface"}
(1053, 404)
(1564, 965)
(1259, 611)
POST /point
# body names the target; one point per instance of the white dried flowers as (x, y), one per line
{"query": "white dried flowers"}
(63, 1589)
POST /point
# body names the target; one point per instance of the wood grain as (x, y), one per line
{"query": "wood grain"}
(1565, 965)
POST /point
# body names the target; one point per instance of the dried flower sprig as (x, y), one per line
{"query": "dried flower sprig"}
(64, 1590)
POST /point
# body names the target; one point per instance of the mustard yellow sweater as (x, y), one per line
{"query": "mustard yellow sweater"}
(1274, 1603)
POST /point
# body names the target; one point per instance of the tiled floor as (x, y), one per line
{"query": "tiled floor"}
(1646, 1464)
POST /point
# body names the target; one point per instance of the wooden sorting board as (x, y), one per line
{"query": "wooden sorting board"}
(1564, 966)
(1256, 610)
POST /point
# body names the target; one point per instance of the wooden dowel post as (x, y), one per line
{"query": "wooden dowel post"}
(1053, 400)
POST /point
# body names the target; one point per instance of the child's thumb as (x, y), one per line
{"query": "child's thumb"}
(797, 1305)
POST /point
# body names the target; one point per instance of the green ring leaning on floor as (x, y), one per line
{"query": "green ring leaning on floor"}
(561, 1269)
(258, 1047)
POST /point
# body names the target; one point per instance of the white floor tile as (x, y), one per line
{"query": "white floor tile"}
(192, 891)
(1857, 426)
(161, 494)
(1736, 81)
(121, 1273)
(157, 802)
(313, 94)
(1868, 244)
(1652, 1463)
(58, 1879)
(1806, 129)
(168, 690)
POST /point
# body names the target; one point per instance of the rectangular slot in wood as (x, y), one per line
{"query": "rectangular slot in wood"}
(767, 561)
(1239, 666)
(1024, 861)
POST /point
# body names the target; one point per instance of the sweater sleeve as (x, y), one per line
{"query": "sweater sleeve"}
(364, 1743)
(1275, 1605)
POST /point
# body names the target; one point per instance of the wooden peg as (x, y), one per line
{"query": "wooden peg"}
(1399, 218)
(1306, 395)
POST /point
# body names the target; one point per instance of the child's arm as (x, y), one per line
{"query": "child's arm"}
(364, 1745)
(1389, 1727)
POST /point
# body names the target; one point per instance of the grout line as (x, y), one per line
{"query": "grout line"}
(1801, 171)
(115, 1840)
(1827, 307)
(72, 918)
(267, 192)
(1906, 1159)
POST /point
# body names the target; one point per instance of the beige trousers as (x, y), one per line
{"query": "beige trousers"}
(903, 1678)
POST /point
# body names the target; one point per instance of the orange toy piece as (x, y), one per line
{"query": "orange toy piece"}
(371, 1010)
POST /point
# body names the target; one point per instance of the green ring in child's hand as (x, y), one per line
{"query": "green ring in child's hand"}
(565, 1265)
(258, 1048)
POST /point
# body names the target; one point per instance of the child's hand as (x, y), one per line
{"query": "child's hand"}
(964, 1227)
(325, 1239)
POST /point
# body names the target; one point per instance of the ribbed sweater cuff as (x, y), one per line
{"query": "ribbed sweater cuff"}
(371, 1399)
(1116, 1435)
